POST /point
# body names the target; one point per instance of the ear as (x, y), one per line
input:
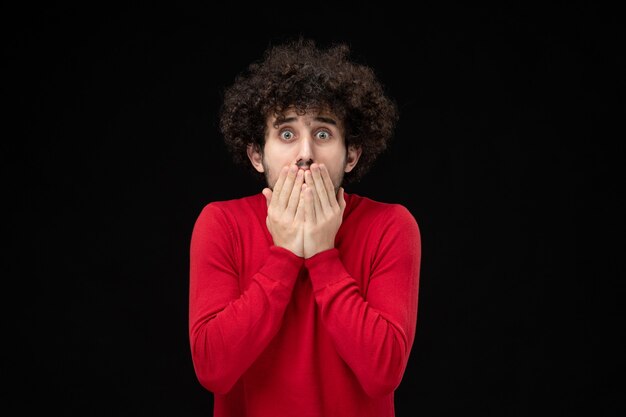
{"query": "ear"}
(352, 157)
(256, 157)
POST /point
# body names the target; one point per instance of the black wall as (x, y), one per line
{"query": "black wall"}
(509, 153)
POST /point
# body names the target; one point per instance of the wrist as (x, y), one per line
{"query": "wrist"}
(319, 249)
(298, 252)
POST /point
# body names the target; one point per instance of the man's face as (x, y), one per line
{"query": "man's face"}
(302, 140)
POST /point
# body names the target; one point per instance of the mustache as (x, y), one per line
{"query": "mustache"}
(304, 164)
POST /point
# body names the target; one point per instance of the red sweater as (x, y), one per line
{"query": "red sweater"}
(273, 334)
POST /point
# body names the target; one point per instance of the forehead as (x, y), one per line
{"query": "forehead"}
(307, 118)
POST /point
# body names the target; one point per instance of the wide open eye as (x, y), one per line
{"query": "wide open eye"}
(324, 135)
(286, 135)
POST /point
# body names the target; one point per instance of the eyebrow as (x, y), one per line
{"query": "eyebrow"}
(322, 119)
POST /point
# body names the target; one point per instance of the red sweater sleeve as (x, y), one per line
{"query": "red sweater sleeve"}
(373, 334)
(228, 327)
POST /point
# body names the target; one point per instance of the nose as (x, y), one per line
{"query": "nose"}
(305, 153)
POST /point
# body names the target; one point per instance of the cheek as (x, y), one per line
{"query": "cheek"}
(272, 170)
(271, 179)
(337, 178)
(276, 159)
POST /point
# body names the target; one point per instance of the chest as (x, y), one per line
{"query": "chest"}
(357, 250)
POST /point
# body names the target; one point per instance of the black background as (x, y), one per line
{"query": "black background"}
(509, 153)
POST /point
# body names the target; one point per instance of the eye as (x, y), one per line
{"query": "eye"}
(324, 135)
(286, 135)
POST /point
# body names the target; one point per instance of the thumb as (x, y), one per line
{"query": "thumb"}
(341, 199)
(268, 195)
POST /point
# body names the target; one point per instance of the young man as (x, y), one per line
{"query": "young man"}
(303, 298)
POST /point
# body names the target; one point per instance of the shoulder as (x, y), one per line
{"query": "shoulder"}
(235, 205)
(226, 212)
(387, 225)
(383, 213)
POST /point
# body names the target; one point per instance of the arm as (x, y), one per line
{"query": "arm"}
(228, 327)
(374, 335)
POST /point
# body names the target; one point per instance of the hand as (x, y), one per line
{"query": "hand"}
(323, 210)
(285, 211)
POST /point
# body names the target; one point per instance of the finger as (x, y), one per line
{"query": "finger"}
(316, 199)
(329, 186)
(299, 216)
(279, 185)
(319, 187)
(294, 198)
(285, 192)
(309, 205)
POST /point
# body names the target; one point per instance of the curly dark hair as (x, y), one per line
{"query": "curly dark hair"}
(298, 74)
